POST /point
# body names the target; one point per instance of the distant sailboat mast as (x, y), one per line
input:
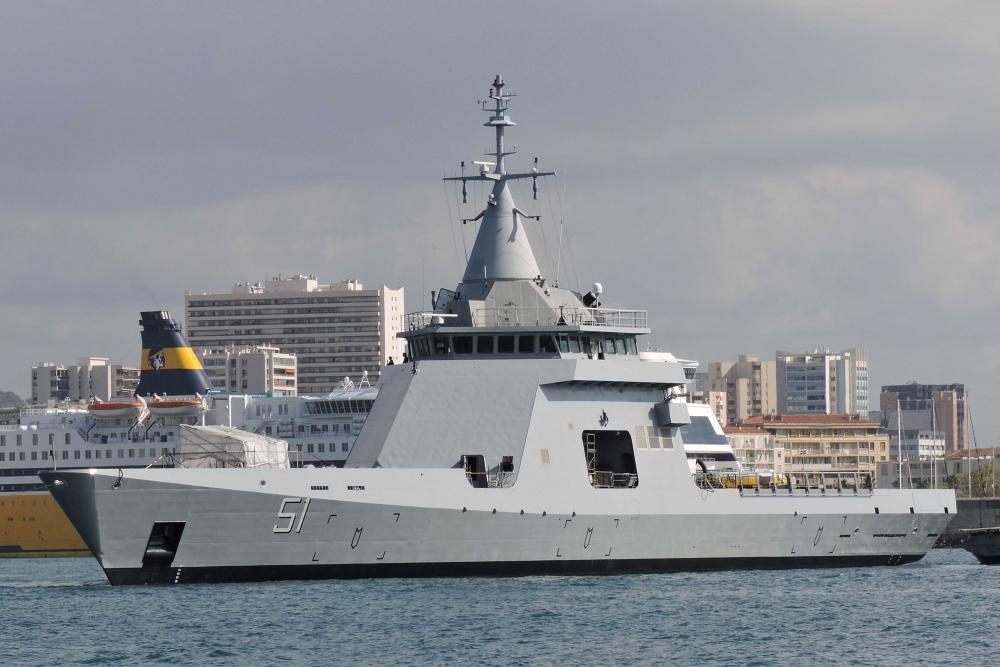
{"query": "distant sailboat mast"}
(899, 440)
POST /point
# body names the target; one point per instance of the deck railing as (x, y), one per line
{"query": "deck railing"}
(518, 316)
(816, 483)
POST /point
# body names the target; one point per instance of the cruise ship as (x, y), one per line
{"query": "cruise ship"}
(137, 432)
(525, 435)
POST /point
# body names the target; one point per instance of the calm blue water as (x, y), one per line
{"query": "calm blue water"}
(942, 610)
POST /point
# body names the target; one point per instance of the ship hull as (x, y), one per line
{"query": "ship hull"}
(240, 533)
(32, 525)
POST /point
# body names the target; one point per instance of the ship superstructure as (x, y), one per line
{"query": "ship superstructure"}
(524, 435)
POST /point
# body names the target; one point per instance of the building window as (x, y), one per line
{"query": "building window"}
(86, 454)
(34, 456)
(343, 446)
(34, 438)
(67, 438)
(52, 439)
(322, 447)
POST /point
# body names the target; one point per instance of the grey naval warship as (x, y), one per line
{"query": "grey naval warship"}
(525, 434)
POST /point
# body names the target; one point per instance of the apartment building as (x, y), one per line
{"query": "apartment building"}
(755, 448)
(335, 331)
(89, 377)
(257, 369)
(822, 382)
(749, 385)
(826, 443)
(937, 409)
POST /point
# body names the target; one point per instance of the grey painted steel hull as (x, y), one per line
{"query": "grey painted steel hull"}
(232, 535)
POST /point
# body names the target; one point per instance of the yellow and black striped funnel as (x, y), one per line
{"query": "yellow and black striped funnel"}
(169, 365)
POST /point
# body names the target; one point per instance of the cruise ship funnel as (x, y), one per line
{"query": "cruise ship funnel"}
(169, 366)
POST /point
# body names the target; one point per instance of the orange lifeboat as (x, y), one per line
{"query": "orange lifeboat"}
(116, 408)
(177, 407)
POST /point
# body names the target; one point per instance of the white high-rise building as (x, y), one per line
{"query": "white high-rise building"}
(89, 377)
(823, 382)
(748, 384)
(335, 331)
(260, 369)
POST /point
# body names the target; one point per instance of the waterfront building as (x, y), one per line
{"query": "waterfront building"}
(755, 449)
(823, 382)
(943, 472)
(917, 401)
(90, 377)
(749, 385)
(256, 369)
(826, 443)
(335, 331)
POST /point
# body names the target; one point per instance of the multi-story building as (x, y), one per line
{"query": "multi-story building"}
(939, 409)
(90, 377)
(748, 384)
(257, 369)
(755, 449)
(335, 331)
(826, 443)
(822, 382)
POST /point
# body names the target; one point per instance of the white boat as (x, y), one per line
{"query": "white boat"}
(525, 435)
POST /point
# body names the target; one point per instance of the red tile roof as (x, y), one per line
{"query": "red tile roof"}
(805, 420)
(742, 429)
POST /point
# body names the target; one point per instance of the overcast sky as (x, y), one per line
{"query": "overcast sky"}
(784, 175)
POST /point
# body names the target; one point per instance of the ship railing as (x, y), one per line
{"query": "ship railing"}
(810, 483)
(606, 479)
(491, 480)
(518, 316)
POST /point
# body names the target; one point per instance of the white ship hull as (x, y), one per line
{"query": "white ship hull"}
(432, 523)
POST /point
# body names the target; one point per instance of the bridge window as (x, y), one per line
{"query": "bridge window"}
(462, 344)
(574, 344)
(620, 345)
(484, 344)
(610, 459)
(505, 344)
(441, 346)
(526, 344)
(547, 344)
(630, 342)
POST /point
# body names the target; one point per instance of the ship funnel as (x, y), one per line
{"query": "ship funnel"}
(169, 366)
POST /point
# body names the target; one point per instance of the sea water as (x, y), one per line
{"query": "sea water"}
(943, 610)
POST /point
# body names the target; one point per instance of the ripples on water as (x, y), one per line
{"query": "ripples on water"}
(942, 610)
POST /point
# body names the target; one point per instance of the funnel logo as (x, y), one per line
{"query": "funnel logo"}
(157, 359)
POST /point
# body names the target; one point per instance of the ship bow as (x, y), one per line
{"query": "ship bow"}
(74, 491)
